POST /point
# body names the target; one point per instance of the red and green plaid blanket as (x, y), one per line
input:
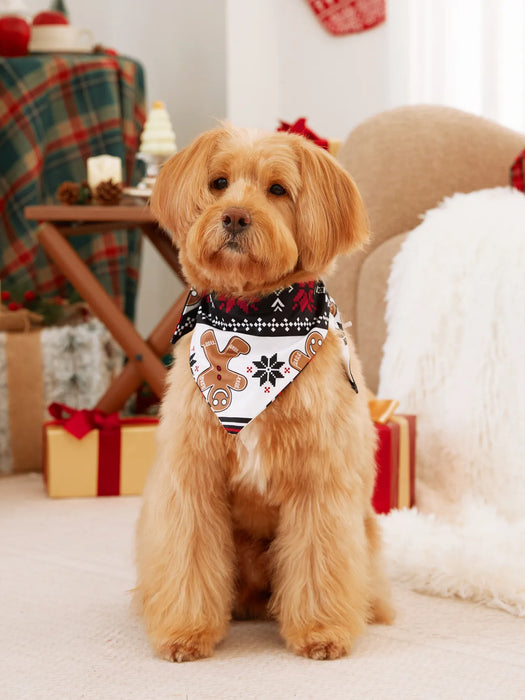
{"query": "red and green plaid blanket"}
(55, 111)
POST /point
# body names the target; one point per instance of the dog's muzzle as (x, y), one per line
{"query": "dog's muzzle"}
(235, 220)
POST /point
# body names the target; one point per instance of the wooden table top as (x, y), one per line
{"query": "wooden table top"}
(133, 213)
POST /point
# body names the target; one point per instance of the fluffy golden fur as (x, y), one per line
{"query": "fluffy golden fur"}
(277, 520)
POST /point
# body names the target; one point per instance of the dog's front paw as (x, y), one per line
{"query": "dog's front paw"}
(320, 645)
(322, 651)
(190, 649)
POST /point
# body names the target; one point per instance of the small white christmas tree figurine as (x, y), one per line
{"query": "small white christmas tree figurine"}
(158, 137)
(59, 6)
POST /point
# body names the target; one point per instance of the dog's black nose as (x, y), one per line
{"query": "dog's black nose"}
(236, 219)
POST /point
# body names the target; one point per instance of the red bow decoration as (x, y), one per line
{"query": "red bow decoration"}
(299, 127)
(79, 423)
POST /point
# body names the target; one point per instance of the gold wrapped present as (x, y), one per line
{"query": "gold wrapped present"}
(89, 453)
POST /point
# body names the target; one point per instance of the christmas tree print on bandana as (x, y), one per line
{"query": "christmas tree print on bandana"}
(244, 354)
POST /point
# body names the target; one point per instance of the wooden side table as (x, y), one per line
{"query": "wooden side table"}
(58, 224)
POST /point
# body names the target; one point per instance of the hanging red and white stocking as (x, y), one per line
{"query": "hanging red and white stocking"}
(348, 16)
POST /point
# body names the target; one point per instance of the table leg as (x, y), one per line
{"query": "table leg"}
(131, 378)
(73, 267)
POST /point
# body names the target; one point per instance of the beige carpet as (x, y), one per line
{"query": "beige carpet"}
(66, 630)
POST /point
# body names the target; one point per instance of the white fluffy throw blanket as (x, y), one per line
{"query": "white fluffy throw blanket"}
(455, 356)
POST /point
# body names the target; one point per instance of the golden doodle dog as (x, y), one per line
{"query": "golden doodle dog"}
(258, 504)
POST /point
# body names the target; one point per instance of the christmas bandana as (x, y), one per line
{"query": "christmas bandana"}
(243, 354)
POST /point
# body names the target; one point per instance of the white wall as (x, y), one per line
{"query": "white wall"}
(281, 63)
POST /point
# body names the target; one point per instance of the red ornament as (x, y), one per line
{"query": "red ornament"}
(49, 17)
(29, 295)
(14, 306)
(5, 296)
(14, 36)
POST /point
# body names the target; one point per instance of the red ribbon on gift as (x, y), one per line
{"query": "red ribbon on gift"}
(517, 173)
(299, 127)
(79, 423)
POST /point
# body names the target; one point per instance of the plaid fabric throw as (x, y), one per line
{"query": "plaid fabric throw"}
(55, 111)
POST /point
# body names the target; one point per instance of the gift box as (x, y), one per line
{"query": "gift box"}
(39, 367)
(395, 457)
(89, 453)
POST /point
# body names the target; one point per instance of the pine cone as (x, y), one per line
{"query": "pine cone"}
(68, 192)
(108, 192)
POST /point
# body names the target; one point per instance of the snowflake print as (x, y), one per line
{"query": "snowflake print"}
(268, 370)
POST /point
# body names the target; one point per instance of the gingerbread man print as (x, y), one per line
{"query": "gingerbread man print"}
(298, 360)
(218, 378)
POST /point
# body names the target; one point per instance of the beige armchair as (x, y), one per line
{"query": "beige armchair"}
(405, 161)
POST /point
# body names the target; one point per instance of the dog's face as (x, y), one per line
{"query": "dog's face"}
(253, 212)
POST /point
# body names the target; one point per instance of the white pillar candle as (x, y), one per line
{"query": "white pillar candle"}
(101, 168)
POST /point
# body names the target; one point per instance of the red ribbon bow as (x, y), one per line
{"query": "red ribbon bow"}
(79, 423)
(299, 127)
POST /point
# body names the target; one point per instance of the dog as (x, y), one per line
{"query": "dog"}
(259, 502)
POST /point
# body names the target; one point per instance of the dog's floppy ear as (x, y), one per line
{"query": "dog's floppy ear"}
(331, 217)
(181, 190)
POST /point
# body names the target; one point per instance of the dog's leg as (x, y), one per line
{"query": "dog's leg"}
(185, 547)
(381, 609)
(322, 575)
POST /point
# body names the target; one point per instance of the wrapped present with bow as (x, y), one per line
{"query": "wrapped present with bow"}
(91, 453)
(395, 456)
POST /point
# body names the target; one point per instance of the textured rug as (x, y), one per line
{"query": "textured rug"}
(454, 356)
(67, 632)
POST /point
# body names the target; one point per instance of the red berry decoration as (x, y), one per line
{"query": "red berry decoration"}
(5, 296)
(13, 306)
(29, 295)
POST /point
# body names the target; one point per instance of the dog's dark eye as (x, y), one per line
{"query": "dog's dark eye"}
(277, 190)
(221, 183)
